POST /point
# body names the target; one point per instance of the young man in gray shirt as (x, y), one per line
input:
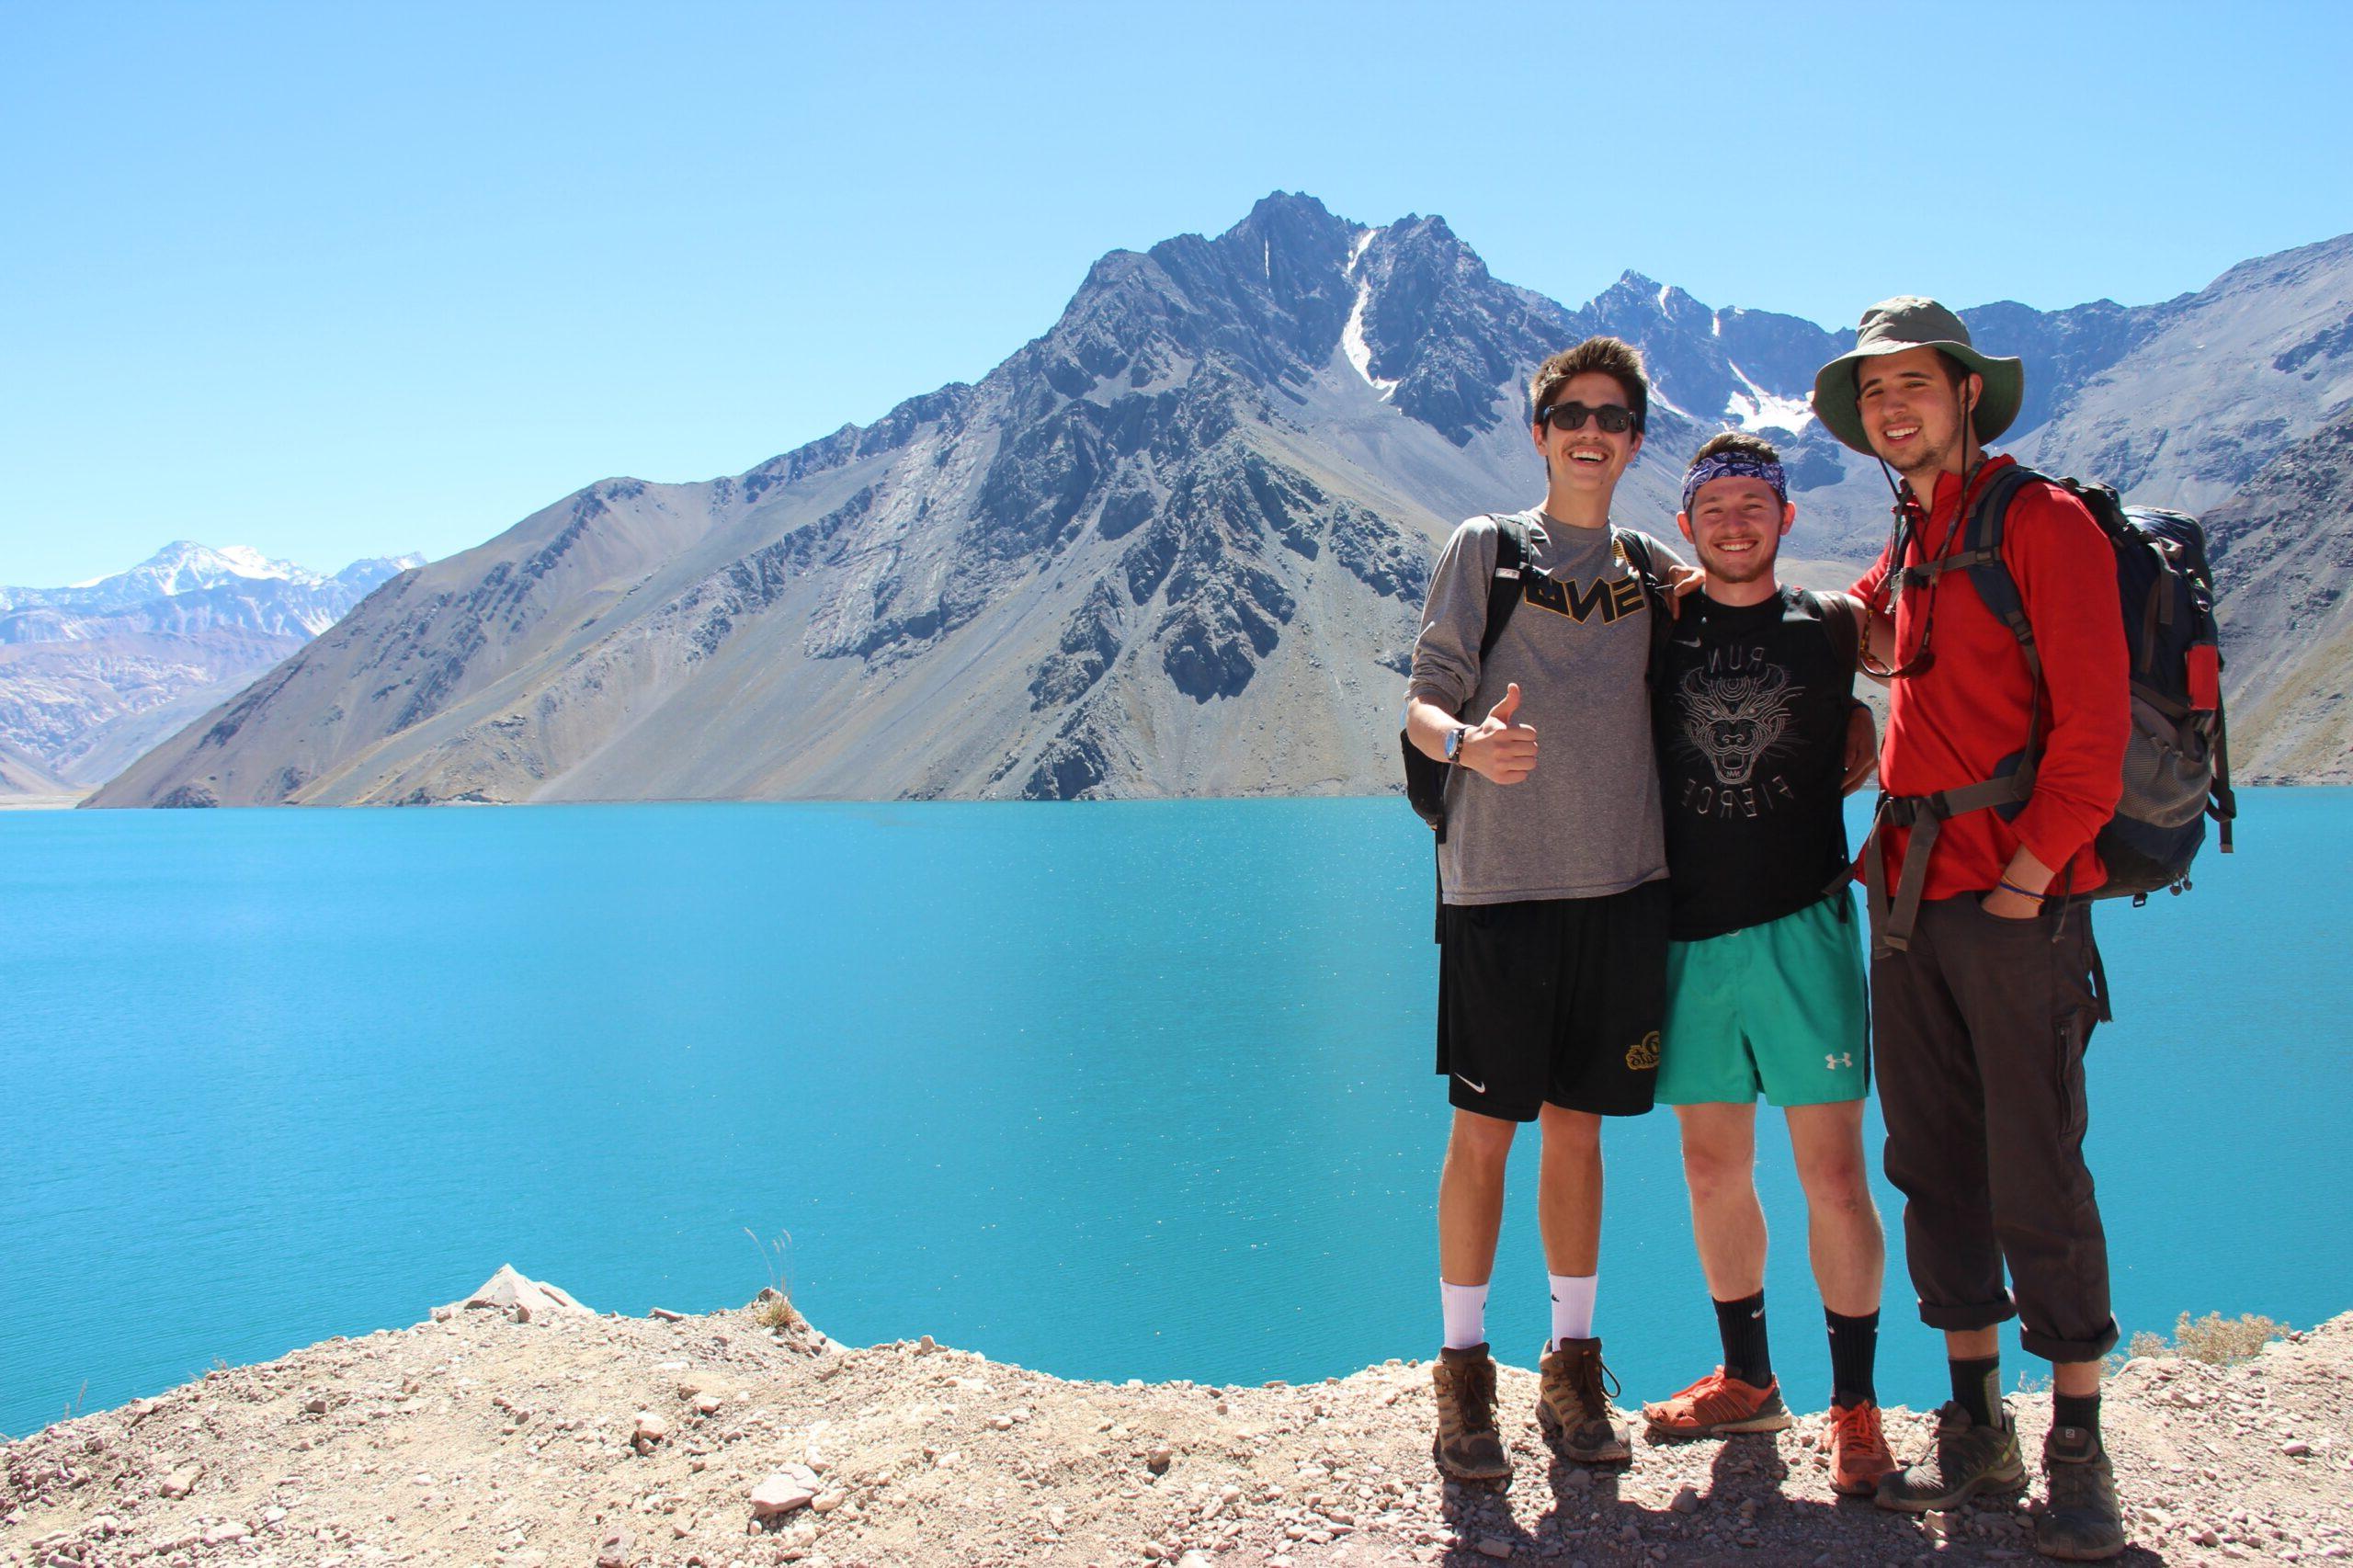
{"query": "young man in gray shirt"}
(1554, 911)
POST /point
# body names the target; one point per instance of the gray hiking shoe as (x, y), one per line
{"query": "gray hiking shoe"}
(1572, 1406)
(1467, 1446)
(1968, 1461)
(2083, 1522)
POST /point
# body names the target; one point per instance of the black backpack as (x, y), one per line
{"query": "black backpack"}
(2176, 762)
(1425, 779)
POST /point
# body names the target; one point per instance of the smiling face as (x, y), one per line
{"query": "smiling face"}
(1736, 524)
(1588, 460)
(1914, 415)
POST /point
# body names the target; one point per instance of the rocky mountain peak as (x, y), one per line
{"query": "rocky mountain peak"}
(1299, 227)
(1633, 295)
(1438, 335)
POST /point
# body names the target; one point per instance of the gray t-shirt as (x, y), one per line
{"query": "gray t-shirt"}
(1585, 823)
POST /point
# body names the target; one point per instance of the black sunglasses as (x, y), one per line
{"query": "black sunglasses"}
(1610, 416)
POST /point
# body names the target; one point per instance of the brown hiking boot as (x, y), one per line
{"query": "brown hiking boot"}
(1574, 1409)
(1718, 1406)
(1968, 1461)
(2083, 1522)
(1467, 1447)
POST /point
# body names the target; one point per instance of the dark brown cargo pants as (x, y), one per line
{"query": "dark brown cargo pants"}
(1980, 1035)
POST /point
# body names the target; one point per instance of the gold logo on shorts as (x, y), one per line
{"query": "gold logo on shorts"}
(1642, 1055)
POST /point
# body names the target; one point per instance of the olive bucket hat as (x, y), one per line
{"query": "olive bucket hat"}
(1910, 322)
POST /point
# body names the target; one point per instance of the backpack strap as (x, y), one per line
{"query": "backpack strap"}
(1503, 598)
(1846, 647)
(1643, 559)
(2224, 806)
(1837, 624)
(1981, 555)
(1893, 916)
(1504, 587)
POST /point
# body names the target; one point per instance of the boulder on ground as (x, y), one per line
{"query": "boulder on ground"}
(507, 1291)
(781, 1493)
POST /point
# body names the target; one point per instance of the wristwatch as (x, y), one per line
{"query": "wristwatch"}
(1454, 739)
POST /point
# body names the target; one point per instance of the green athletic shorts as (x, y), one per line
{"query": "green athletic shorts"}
(1776, 1007)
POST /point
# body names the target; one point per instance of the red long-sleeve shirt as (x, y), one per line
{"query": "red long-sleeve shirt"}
(1952, 724)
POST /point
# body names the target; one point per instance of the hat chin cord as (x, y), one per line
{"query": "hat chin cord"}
(1898, 544)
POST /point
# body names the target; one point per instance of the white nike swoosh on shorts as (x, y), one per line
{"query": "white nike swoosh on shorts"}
(1475, 1088)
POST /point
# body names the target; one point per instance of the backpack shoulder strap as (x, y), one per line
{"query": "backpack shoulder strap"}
(1504, 587)
(1837, 623)
(1644, 561)
(1641, 557)
(1988, 573)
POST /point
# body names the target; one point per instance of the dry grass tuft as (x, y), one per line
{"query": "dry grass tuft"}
(772, 1308)
(2213, 1338)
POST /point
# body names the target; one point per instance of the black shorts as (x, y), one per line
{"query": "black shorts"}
(1553, 1001)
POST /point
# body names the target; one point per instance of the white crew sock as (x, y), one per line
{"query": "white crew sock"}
(1572, 1307)
(1465, 1307)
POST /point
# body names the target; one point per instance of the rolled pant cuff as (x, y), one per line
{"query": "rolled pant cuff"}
(2055, 1349)
(1977, 1314)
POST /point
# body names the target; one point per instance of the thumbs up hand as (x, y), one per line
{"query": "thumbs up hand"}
(1500, 749)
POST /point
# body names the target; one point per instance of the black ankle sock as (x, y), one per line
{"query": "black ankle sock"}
(1742, 1325)
(1977, 1386)
(1854, 1346)
(2079, 1410)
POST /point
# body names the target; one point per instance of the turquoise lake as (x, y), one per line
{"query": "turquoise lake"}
(1121, 1090)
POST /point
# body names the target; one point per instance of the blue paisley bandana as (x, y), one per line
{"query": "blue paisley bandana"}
(1727, 465)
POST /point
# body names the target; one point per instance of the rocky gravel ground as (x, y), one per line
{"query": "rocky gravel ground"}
(573, 1440)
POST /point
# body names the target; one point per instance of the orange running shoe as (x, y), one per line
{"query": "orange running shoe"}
(1857, 1450)
(1718, 1406)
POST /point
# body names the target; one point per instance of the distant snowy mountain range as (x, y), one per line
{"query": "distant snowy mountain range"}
(182, 579)
(93, 673)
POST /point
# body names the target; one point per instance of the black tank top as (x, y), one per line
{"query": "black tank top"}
(1751, 718)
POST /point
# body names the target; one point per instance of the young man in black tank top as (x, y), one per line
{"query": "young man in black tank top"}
(1760, 740)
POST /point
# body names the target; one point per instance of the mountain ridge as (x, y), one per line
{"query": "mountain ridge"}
(1175, 544)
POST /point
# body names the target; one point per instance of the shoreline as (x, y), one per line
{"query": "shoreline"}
(44, 803)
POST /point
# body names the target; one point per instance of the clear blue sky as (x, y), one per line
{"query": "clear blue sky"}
(344, 279)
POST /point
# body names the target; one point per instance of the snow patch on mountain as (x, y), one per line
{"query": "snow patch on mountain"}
(1353, 344)
(1659, 400)
(1758, 409)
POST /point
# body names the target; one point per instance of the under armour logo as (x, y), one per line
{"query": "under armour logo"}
(1839, 1058)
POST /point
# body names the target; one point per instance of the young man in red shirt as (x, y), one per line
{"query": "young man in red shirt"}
(1983, 971)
